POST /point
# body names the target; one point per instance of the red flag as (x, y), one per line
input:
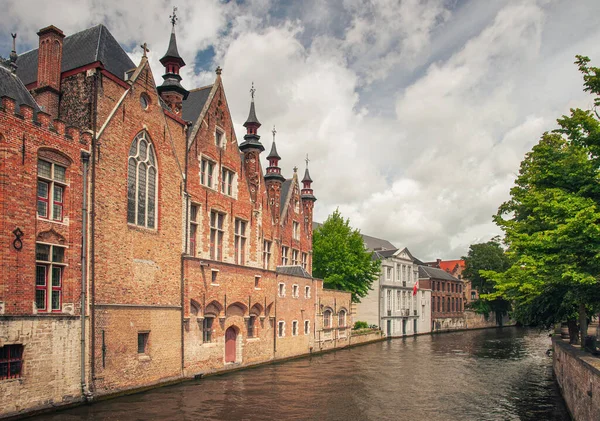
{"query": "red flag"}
(416, 287)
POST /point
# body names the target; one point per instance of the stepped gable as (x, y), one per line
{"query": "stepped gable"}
(11, 86)
(194, 103)
(82, 48)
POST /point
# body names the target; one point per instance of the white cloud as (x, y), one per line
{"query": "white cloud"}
(415, 114)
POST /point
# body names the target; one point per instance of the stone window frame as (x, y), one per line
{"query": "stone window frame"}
(228, 187)
(251, 328)
(220, 137)
(207, 324)
(207, 172)
(327, 322)
(305, 261)
(53, 184)
(281, 289)
(295, 230)
(240, 238)
(284, 255)
(342, 318)
(307, 291)
(142, 163)
(281, 329)
(295, 255)
(143, 342)
(294, 327)
(52, 267)
(307, 327)
(267, 253)
(217, 232)
(193, 244)
(295, 291)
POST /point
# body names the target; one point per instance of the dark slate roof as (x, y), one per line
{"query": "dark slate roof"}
(373, 243)
(172, 50)
(273, 153)
(192, 106)
(285, 188)
(307, 176)
(294, 271)
(252, 116)
(382, 254)
(85, 47)
(11, 86)
(435, 273)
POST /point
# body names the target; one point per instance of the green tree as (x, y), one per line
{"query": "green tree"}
(552, 222)
(340, 258)
(484, 256)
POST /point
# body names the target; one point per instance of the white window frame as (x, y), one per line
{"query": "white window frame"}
(207, 172)
(295, 254)
(267, 253)
(51, 182)
(305, 260)
(281, 289)
(296, 230)
(284, 255)
(49, 287)
(225, 186)
(307, 327)
(295, 291)
(281, 329)
(222, 141)
(240, 238)
(294, 327)
(307, 292)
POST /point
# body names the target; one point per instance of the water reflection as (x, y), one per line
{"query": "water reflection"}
(500, 374)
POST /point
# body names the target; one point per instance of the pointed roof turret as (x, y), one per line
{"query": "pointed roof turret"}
(252, 120)
(273, 153)
(171, 90)
(172, 53)
(251, 138)
(307, 191)
(306, 176)
(273, 170)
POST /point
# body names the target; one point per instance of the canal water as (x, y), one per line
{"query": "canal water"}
(495, 374)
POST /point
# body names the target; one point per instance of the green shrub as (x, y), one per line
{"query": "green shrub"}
(360, 325)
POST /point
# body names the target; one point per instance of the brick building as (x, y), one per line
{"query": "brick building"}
(455, 268)
(447, 305)
(195, 259)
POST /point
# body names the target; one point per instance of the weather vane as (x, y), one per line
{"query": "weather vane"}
(174, 17)
(252, 90)
(307, 160)
(273, 131)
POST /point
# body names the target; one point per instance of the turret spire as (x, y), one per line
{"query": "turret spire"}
(13, 54)
(251, 138)
(171, 90)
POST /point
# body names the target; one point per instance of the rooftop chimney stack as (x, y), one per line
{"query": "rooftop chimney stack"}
(47, 92)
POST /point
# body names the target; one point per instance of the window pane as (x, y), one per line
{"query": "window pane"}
(40, 299)
(57, 212)
(56, 276)
(131, 191)
(58, 254)
(42, 252)
(151, 196)
(151, 155)
(40, 275)
(44, 169)
(220, 220)
(141, 205)
(59, 173)
(133, 148)
(58, 193)
(42, 209)
(42, 189)
(143, 149)
(55, 300)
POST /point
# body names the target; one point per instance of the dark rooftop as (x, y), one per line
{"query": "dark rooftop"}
(294, 271)
(11, 86)
(435, 273)
(85, 47)
(192, 106)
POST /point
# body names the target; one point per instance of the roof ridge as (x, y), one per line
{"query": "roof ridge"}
(201, 88)
(99, 38)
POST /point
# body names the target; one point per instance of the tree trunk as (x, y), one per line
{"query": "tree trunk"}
(582, 322)
(573, 331)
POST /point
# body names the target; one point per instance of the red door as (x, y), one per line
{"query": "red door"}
(230, 337)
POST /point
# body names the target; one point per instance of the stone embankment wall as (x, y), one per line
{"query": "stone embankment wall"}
(479, 321)
(50, 375)
(578, 376)
(365, 337)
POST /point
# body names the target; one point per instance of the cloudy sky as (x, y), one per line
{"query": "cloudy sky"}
(415, 114)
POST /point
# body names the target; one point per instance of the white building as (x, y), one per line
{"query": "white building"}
(392, 304)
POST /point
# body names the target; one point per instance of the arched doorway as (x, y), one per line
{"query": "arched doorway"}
(230, 344)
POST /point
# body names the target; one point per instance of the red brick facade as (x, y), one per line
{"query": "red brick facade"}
(192, 260)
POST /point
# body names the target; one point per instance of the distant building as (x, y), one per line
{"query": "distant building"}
(393, 304)
(455, 268)
(447, 305)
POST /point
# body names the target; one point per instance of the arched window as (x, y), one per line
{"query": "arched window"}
(141, 182)
(327, 319)
(342, 318)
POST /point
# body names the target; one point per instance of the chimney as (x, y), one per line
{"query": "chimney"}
(47, 91)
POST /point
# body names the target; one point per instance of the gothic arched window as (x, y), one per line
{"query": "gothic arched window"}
(141, 182)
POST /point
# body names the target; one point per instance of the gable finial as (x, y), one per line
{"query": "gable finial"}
(174, 17)
(274, 132)
(295, 169)
(218, 71)
(252, 90)
(145, 48)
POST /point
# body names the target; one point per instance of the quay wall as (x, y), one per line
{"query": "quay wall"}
(578, 377)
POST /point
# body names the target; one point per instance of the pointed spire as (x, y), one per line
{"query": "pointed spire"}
(306, 174)
(172, 54)
(252, 120)
(273, 155)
